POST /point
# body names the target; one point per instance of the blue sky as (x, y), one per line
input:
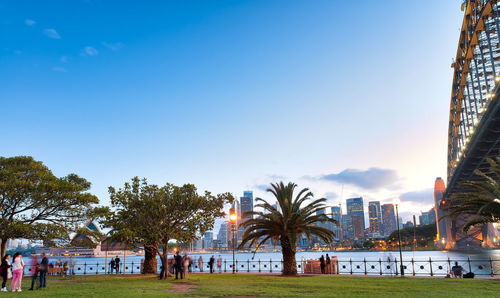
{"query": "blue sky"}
(232, 95)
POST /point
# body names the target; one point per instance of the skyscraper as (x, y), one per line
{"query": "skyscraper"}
(375, 217)
(423, 219)
(388, 219)
(223, 235)
(356, 211)
(207, 240)
(347, 228)
(432, 216)
(439, 190)
(337, 215)
(237, 210)
(246, 205)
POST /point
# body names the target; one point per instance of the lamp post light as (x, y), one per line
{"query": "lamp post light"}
(402, 269)
(233, 217)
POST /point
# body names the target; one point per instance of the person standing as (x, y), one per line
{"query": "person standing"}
(211, 264)
(117, 264)
(112, 265)
(219, 264)
(200, 263)
(178, 265)
(44, 268)
(328, 265)
(34, 271)
(190, 268)
(5, 270)
(322, 264)
(17, 272)
(185, 264)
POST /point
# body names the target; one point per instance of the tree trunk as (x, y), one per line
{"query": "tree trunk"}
(149, 259)
(289, 263)
(3, 247)
(164, 265)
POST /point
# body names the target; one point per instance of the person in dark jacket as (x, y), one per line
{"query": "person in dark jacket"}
(328, 265)
(4, 271)
(112, 265)
(211, 264)
(117, 264)
(322, 264)
(178, 266)
(44, 268)
(457, 270)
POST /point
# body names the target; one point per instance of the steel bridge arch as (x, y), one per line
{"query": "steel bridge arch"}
(476, 72)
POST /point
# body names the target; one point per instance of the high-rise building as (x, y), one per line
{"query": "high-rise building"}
(388, 219)
(423, 219)
(237, 210)
(375, 217)
(347, 228)
(432, 216)
(222, 236)
(337, 216)
(246, 205)
(439, 190)
(207, 240)
(356, 211)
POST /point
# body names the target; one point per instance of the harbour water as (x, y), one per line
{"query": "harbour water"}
(425, 263)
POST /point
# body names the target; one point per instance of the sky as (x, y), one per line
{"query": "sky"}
(347, 98)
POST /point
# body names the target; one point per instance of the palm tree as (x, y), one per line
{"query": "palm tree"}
(480, 198)
(287, 225)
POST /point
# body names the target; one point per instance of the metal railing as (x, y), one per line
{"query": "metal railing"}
(419, 267)
(382, 267)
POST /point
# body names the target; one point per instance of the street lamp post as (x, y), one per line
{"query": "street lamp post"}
(233, 217)
(402, 269)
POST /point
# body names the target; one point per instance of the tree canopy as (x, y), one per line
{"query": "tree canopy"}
(35, 204)
(150, 215)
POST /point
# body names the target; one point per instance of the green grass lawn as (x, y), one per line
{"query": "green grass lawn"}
(250, 285)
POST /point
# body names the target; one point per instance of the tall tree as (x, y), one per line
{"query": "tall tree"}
(149, 215)
(288, 224)
(480, 198)
(35, 204)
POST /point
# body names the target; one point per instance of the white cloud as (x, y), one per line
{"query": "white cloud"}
(64, 59)
(113, 46)
(372, 178)
(52, 33)
(90, 51)
(59, 69)
(29, 22)
(17, 52)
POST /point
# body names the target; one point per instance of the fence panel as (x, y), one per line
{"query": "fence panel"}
(382, 267)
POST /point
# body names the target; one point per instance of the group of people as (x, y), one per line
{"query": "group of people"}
(325, 264)
(114, 264)
(15, 270)
(182, 265)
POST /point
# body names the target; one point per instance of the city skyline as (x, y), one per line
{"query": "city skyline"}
(162, 97)
(354, 221)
